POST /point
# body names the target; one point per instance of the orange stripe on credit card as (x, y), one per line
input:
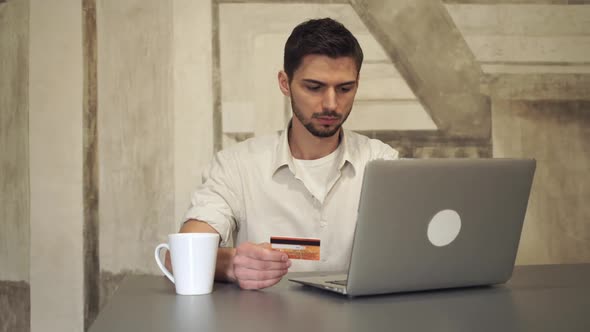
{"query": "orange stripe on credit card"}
(297, 247)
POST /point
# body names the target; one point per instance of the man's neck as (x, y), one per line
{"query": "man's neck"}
(306, 146)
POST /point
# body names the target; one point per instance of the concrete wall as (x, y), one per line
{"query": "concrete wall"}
(55, 123)
(14, 138)
(150, 65)
(557, 134)
(521, 37)
(135, 130)
(154, 126)
(14, 166)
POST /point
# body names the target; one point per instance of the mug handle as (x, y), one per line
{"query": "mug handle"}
(159, 262)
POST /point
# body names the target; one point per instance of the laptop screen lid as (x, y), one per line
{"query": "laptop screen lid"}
(438, 223)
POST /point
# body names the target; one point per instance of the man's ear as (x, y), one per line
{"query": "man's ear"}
(284, 83)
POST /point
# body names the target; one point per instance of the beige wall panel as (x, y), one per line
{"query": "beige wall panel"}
(557, 134)
(193, 99)
(521, 19)
(55, 126)
(562, 87)
(238, 117)
(269, 102)
(534, 69)
(526, 38)
(14, 141)
(382, 81)
(373, 52)
(389, 115)
(135, 130)
(530, 49)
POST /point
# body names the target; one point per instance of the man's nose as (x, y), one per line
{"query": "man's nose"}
(329, 102)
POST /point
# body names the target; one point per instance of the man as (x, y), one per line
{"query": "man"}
(302, 182)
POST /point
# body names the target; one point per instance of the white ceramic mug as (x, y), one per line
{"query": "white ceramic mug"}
(194, 256)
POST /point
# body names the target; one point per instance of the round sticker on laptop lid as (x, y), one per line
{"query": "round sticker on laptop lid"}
(444, 227)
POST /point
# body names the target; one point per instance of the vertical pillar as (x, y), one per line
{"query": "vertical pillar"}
(55, 145)
(193, 98)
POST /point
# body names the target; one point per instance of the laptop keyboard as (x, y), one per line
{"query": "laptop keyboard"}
(338, 282)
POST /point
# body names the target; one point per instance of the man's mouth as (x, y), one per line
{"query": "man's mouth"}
(327, 120)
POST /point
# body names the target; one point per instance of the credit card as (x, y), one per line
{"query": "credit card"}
(297, 247)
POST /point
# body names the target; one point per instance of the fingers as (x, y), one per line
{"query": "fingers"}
(261, 252)
(168, 262)
(253, 279)
(257, 266)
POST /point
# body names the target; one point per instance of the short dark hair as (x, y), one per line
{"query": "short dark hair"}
(323, 37)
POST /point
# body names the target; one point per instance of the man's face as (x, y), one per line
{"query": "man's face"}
(322, 93)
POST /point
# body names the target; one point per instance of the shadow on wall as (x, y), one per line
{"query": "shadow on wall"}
(15, 306)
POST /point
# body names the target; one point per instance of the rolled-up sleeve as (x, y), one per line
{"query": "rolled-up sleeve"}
(217, 201)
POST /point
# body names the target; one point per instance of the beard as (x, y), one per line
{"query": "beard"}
(319, 130)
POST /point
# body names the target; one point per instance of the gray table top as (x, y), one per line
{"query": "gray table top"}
(537, 298)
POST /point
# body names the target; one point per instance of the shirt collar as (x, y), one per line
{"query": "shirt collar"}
(283, 157)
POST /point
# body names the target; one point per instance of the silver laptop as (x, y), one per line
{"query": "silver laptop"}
(434, 223)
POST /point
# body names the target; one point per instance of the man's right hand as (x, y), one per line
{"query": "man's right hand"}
(257, 266)
(251, 266)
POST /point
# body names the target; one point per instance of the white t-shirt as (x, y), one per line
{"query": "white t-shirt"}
(250, 193)
(318, 175)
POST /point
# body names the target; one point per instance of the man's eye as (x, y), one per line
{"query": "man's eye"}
(345, 89)
(313, 87)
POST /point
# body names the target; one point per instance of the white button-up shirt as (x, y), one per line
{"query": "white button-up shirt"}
(251, 192)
